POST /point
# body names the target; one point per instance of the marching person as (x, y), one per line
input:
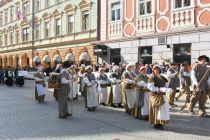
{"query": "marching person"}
(129, 88)
(74, 82)
(185, 81)
(173, 79)
(64, 92)
(159, 105)
(9, 76)
(91, 95)
(141, 108)
(116, 86)
(18, 77)
(40, 90)
(200, 75)
(56, 91)
(81, 82)
(103, 82)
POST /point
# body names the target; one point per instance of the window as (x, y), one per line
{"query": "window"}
(85, 20)
(37, 31)
(37, 5)
(1, 20)
(17, 11)
(25, 33)
(115, 56)
(6, 18)
(17, 37)
(182, 3)
(11, 14)
(26, 8)
(115, 11)
(145, 7)
(5, 40)
(46, 3)
(46, 29)
(11, 38)
(145, 54)
(70, 23)
(0, 40)
(57, 27)
(182, 52)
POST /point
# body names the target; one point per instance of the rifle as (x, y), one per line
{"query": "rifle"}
(195, 88)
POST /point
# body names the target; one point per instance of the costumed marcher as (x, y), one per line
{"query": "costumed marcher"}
(103, 82)
(116, 87)
(174, 82)
(19, 78)
(199, 75)
(1, 75)
(90, 89)
(81, 82)
(9, 76)
(141, 108)
(185, 81)
(159, 105)
(64, 92)
(40, 85)
(129, 88)
(74, 82)
(56, 91)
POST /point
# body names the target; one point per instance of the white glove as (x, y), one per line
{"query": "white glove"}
(162, 89)
(186, 74)
(141, 83)
(169, 90)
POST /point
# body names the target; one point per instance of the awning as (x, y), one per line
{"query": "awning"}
(46, 58)
(84, 57)
(36, 59)
(57, 58)
(69, 57)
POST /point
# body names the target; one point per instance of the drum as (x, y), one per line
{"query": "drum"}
(54, 81)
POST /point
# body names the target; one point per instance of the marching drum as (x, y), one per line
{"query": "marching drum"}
(54, 80)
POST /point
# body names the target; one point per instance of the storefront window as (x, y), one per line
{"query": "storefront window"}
(145, 55)
(182, 52)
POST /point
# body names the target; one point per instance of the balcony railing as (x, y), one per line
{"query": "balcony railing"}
(182, 18)
(145, 24)
(115, 28)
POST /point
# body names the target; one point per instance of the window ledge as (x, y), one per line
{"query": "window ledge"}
(147, 15)
(183, 8)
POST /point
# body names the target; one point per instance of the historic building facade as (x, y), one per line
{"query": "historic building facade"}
(47, 31)
(154, 30)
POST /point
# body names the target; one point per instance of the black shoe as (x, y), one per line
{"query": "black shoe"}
(89, 109)
(173, 105)
(68, 114)
(62, 117)
(120, 105)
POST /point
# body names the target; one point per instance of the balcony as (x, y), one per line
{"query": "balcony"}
(182, 18)
(145, 24)
(115, 29)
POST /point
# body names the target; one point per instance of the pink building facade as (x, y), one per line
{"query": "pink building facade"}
(153, 30)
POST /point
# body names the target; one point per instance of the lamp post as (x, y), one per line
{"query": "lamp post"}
(33, 24)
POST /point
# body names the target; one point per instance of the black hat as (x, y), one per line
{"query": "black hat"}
(203, 57)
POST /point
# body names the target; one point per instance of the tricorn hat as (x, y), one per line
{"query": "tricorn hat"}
(203, 57)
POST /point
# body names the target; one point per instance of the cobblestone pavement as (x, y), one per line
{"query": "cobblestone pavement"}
(23, 118)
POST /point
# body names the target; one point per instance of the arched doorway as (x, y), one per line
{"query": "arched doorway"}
(5, 61)
(25, 61)
(1, 63)
(11, 61)
(84, 58)
(17, 61)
